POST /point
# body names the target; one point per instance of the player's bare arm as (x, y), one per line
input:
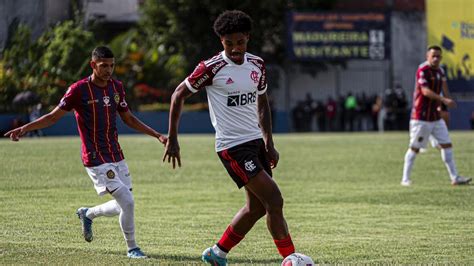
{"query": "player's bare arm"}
(265, 121)
(432, 95)
(446, 90)
(133, 122)
(45, 121)
(172, 146)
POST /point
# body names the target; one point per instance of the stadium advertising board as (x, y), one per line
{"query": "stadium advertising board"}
(338, 36)
(451, 26)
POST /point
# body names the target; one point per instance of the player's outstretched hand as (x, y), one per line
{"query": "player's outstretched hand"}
(273, 156)
(449, 102)
(172, 153)
(15, 134)
(163, 139)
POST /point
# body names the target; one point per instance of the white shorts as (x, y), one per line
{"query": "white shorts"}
(420, 132)
(108, 177)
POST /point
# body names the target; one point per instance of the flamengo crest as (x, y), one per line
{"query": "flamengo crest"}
(254, 76)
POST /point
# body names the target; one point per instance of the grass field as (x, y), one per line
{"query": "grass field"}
(343, 202)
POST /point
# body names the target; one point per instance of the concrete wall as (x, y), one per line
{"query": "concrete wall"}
(37, 14)
(191, 122)
(409, 42)
(358, 76)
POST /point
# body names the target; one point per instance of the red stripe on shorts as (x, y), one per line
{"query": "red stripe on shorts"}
(235, 166)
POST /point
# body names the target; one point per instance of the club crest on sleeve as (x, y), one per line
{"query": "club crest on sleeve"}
(116, 98)
(110, 174)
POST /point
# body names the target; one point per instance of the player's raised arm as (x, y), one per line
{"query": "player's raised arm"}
(133, 122)
(446, 91)
(176, 106)
(45, 121)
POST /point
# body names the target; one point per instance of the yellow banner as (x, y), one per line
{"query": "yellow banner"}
(451, 25)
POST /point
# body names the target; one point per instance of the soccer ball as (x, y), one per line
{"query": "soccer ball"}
(297, 259)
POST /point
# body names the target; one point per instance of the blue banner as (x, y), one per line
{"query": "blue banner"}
(338, 36)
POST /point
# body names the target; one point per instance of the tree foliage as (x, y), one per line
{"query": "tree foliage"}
(45, 66)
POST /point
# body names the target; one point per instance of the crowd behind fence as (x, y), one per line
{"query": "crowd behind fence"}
(359, 112)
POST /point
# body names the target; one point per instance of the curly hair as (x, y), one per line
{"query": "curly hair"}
(232, 21)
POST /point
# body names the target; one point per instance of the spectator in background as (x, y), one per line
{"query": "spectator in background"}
(319, 113)
(350, 107)
(377, 106)
(400, 108)
(298, 116)
(341, 113)
(331, 111)
(390, 104)
(365, 107)
(309, 107)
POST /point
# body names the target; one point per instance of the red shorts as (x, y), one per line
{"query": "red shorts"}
(245, 161)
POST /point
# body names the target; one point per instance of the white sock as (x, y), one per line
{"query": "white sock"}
(110, 208)
(219, 251)
(124, 198)
(408, 165)
(447, 156)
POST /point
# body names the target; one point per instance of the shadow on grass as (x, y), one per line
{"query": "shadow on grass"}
(197, 259)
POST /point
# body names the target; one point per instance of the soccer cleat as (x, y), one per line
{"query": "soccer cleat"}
(406, 183)
(210, 257)
(136, 253)
(461, 180)
(86, 224)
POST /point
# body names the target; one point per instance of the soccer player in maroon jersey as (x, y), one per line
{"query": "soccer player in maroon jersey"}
(96, 100)
(236, 85)
(426, 119)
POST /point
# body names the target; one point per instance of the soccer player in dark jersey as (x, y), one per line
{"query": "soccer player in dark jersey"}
(236, 85)
(425, 117)
(96, 100)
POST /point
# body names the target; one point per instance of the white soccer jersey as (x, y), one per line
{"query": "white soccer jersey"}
(232, 92)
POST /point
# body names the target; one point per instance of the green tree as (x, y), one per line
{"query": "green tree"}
(45, 66)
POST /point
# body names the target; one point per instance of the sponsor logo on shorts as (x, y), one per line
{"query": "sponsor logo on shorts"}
(250, 166)
(110, 174)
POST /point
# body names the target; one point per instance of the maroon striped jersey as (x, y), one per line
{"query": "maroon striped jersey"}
(424, 108)
(96, 110)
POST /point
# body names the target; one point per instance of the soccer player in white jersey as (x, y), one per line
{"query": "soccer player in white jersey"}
(235, 82)
(426, 119)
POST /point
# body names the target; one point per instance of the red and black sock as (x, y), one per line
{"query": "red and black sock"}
(229, 239)
(285, 246)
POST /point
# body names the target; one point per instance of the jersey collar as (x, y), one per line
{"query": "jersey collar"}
(230, 62)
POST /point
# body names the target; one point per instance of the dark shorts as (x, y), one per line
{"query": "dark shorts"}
(245, 161)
